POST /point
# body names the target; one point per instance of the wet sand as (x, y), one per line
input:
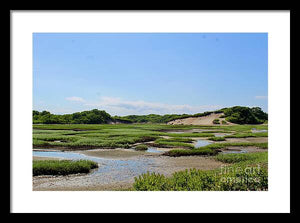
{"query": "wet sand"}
(44, 158)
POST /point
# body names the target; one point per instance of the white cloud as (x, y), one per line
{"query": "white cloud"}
(76, 99)
(261, 97)
(117, 106)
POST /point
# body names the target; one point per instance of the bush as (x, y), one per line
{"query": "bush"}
(198, 180)
(216, 121)
(224, 122)
(245, 115)
(151, 182)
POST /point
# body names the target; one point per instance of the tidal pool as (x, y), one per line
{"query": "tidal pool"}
(110, 170)
(202, 142)
(153, 150)
(62, 155)
(255, 130)
(234, 151)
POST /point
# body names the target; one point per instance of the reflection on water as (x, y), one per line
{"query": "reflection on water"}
(235, 151)
(64, 155)
(109, 169)
(153, 150)
(255, 130)
(201, 142)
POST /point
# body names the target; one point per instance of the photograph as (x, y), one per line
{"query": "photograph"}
(155, 111)
(151, 111)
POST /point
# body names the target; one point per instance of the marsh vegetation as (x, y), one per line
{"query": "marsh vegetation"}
(157, 145)
(62, 167)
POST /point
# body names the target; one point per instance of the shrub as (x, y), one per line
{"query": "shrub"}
(245, 115)
(199, 180)
(216, 121)
(151, 182)
(224, 122)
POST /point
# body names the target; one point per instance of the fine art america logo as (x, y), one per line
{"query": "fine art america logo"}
(231, 174)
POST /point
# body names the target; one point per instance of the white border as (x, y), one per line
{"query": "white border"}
(276, 24)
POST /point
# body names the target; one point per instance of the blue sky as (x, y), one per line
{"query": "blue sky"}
(143, 73)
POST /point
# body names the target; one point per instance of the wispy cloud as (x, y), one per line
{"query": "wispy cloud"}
(118, 106)
(261, 97)
(76, 99)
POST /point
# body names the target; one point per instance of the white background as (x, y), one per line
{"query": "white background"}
(276, 24)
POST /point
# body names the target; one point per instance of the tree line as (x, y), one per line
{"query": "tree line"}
(236, 114)
(94, 116)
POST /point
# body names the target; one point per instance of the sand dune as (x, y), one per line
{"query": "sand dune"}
(205, 120)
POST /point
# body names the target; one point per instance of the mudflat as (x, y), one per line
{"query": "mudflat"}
(122, 177)
(44, 158)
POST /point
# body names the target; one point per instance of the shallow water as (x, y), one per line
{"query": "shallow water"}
(153, 150)
(220, 134)
(64, 155)
(110, 170)
(255, 130)
(242, 151)
(201, 142)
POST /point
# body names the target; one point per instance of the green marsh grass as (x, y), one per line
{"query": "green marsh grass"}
(247, 135)
(76, 136)
(167, 143)
(62, 167)
(212, 149)
(191, 152)
(141, 147)
(238, 157)
(217, 138)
